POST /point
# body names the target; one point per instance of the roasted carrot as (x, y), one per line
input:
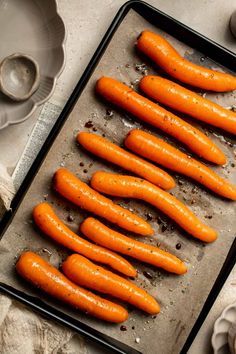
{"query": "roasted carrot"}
(44, 276)
(189, 102)
(148, 111)
(85, 273)
(133, 187)
(113, 153)
(115, 241)
(79, 193)
(51, 225)
(159, 151)
(164, 55)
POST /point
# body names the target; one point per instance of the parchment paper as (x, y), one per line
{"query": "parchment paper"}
(181, 297)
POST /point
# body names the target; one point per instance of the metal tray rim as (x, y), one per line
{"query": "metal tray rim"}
(207, 46)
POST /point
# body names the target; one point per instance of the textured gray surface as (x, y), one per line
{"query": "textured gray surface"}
(86, 23)
(178, 296)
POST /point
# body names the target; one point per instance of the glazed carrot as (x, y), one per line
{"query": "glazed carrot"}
(113, 153)
(189, 102)
(148, 111)
(51, 225)
(133, 187)
(85, 273)
(115, 241)
(159, 151)
(47, 278)
(164, 55)
(79, 193)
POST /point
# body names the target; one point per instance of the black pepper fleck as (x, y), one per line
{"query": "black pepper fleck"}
(180, 182)
(208, 216)
(164, 228)
(88, 124)
(148, 217)
(123, 328)
(178, 246)
(70, 218)
(147, 275)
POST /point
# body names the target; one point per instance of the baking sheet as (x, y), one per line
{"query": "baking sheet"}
(181, 298)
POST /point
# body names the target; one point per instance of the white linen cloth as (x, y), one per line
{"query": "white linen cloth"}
(7, 190)
(23, 331)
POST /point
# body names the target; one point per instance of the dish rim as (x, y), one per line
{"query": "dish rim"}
(215, 329)
(56, 76)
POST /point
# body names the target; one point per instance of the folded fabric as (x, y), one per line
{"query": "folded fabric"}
(23, 331)
(7, 190)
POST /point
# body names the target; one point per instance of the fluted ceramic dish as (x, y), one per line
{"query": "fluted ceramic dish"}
(35, 28)
(223, 338)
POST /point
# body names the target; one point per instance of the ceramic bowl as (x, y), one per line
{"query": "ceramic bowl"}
(38, 32)
(223, 338)
(19, 76)
(232, 23)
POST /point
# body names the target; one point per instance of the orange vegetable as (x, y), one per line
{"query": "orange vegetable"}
(148, 111)
(51, 225)
(85, 273)
(79, 193)
(186, 101)
(47, 278)
(115, 241)
(132, 187)
(113, 153)
(159, 151)
(164, 55)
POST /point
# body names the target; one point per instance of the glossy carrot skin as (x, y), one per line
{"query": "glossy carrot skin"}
(132, 187)
(177, 97)
(164, 55)
(159, 151)
(44, 276)
(148, 111)
(105, 149)
(51, 225)
(85, 273)
(115, 241)
(79, 193)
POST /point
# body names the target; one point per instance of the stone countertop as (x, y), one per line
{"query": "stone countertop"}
(86, 23)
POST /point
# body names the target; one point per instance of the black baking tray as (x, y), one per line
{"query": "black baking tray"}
(188, 36)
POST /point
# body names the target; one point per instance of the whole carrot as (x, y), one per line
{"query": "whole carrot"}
(47, 278)
(115, 241)
(132, 187)
(163, 54)
(51, 225)
(79, 193)
(159, 151)
(85, 273)
(189, 102)
(113, 153)
(148, 111)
